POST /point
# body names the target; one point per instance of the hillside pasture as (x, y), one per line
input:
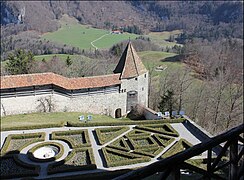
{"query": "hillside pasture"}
(161, 38)
(81, 36)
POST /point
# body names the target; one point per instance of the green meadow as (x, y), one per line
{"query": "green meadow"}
(81, 36)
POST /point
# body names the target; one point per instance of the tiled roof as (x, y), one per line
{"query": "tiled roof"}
(26, 80)
(130, 64)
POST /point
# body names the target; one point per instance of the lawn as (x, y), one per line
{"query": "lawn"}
(23, 120)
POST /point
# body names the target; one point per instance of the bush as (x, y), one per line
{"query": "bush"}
(32, 150)
(148, 151)
(70, 137)
(34, 137)
(143, 141)
(119, 144)
(33, 127)
(142, 122)
(181, 145)
(131, 158)
(12, 167)
(67, 164)
(163, 140)
(106, 134)
(160, 128)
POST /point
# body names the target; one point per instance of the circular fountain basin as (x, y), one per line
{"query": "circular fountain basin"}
(47, 151)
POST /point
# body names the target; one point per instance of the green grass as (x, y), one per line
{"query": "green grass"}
(152, 59)
(23, 120)
(160, 38)
(81, 36)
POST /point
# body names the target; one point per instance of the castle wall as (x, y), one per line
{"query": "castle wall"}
(139, 84)
(93, 103)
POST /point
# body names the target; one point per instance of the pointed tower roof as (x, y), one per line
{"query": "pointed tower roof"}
(130, 64)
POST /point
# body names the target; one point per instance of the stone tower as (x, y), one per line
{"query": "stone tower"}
(134, 77)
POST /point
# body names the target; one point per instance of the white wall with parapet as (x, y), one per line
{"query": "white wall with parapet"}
(95, 103)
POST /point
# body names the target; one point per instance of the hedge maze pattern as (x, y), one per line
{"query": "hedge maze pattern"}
(139, 145)
(115, 146)
(80, 158)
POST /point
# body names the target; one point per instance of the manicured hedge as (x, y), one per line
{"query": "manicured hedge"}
(147, 138)
(113, 133)
(132, 158)
(179, 146)
(163, 140)
(67, 137)
(137, 132)
(61, 124)
(62, 166)
(32, 150)
(149, 151)
(119, 144)
(37, 137)
(153, 128)
(80, 124)
(16, 168)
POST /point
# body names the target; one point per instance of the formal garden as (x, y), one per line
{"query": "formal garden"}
(62, 151)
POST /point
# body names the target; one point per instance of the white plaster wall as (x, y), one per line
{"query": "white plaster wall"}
(96, 104)
(137, 85)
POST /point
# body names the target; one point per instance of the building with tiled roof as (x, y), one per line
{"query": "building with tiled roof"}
(114, 94)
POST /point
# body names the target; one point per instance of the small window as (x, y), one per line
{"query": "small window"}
(142, 88)
(145, 75)
(136, 79)
(124, 90)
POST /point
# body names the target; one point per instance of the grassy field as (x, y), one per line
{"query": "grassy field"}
(81, 36)
(153, 59)
(160, 38)
(23, 120)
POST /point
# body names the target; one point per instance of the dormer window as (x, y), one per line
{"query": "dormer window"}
(136, 79)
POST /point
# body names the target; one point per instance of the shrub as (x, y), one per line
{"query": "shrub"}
(106, 134)
(115, 157)
(11, 167)
(143, 122)
(119, 144)
(61, 124)
(74, 162)
(179, 146)
(75, 138)
(27, 139)
(160, 128)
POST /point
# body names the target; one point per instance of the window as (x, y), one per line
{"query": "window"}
(142, 88)
(124, 90)
(136, 79)
(145, 75)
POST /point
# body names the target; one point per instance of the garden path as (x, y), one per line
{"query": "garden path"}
(179, 127)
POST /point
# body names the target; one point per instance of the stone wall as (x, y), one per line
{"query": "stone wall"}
(139, 84)
(95, 103)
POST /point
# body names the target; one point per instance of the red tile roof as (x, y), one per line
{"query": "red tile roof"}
(25, 80)
(130, 64)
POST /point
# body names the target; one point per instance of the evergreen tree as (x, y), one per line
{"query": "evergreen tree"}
(167, 103)
(68, 61)
(19, 62)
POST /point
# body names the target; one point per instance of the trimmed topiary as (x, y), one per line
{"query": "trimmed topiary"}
(114, 157)
(179, 146)
(105, 135)
(77, 160)
(75, 138)
(14, 143)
